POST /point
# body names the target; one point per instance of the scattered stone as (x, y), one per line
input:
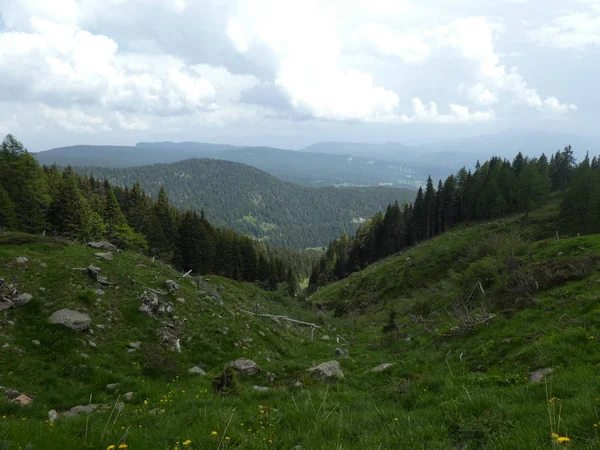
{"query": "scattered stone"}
(128, 396)
(103, 245)
(107, 256)
(225, 330)
(71, 319)
(44, 265)
(537, 376)
(5, 303)
(382, 367)
(22, 299)
(135, 345)
(52, 415)
(260, 388)
(156, 411)
(407, 259)
(120, 406)
(98, 300)
(11, 322)
(101, 326)
(261, 333)
(23, 400)
(197, 371)
(342, 352)
(329, 369)
(42, 289)
(298, 384)
(271, 377)
(181, 300)
(84, 355)
(131, 350)
(92, 344)
(6, 345)
(325, 337)
(245, 366)
(172, 286)
(113, 386)
(80, 409)
(99, 292)
(21, 260)
(36, 342)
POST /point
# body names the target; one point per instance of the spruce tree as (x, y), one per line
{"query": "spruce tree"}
(8, 219)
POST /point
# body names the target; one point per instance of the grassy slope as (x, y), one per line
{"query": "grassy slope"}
(463, 392)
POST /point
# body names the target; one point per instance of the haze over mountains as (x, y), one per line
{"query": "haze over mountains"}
(334, 163)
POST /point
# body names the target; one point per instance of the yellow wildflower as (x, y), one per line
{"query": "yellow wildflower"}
(563, 440)
(214, 433)
(110, 447)
(270, 441)
(123, 446)
(227, 438)
(188, 442)
(554, 436)
(395, 419)
(595, 425)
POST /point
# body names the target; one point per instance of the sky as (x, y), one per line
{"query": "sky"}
(290, 73)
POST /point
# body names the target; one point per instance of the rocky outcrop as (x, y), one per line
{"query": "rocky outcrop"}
(71, 319)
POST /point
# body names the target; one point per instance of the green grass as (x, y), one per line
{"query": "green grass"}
(466, 390)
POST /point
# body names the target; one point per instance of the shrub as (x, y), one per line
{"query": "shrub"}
(160, 361)
(226, 382)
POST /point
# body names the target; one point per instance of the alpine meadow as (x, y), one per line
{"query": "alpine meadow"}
(299, 225)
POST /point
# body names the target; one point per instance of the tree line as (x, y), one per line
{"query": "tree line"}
(36, 199)
(494, 189)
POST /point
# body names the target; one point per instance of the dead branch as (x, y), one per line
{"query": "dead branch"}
(273, 316)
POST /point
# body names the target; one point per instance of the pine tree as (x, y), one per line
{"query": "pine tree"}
(69, 213)
(8, 219)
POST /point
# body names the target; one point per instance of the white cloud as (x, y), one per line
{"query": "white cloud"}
(74, 119)
(570, 31)
(470, 38)
(458, 114)
(131, 123)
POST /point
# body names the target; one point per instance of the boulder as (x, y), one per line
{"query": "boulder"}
(245, 366)
(71, 319)
(537, 376)
(23, 400)
(329, 369)
(107, 255)
(172, 286)
(260, 388)
(103, 245)
(52, 415)
(342, 352)
(80, 409)
(197, 371)
(22, 299)
(21, 260)
(382, 367)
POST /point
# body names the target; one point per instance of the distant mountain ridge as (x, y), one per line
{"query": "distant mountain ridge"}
(256, 203)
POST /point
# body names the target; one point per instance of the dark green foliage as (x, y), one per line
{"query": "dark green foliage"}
(160, 361)
(251, 201)
(226, 382)
(8, 219)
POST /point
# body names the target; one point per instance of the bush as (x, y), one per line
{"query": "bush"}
(226, 383)
(160, 361)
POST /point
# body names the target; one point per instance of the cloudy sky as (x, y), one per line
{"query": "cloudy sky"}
(293, 72)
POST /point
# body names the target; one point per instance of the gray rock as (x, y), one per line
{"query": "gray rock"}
(128, 396)
(113, 386)
(271, 377)
(172, 286)
(298, 384)
(92, 344)
(11, 322)
(5, 345)
(120, 406)
(71, 319)
(156, 411)
(260, 388)
(537, 376)
(101, 326)
(42, 289)
(36, 342)
(22, 299)
(107, 256)
(21, 260)
(342, 352)
(245, 366)
(5, 304)
(329, 369)
(382, 367)
(197, 371)
(181, 300)
(130, 351)
(52, 415)
(44, 265)
(84, 355)
(103, 245)
(135, 345)
(80, 409)
(99, 292)
(325, 337)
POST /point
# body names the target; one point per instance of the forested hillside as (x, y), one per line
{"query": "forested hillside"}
(310, 169)
(255, 203)
(61, 203)
(496, 188)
